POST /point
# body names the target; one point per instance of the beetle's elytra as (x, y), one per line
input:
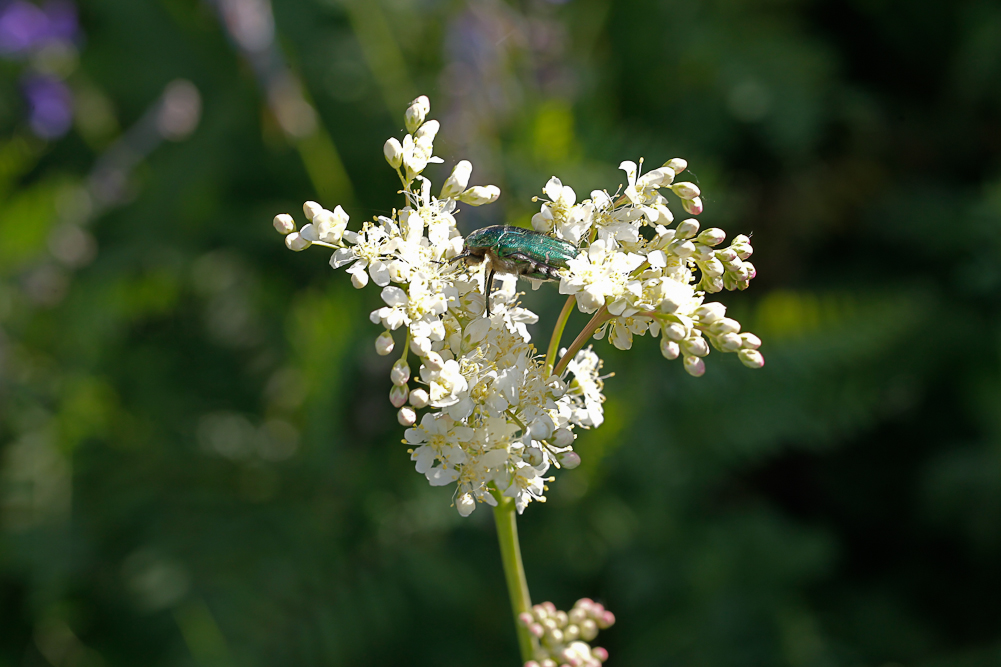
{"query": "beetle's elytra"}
(516, 250)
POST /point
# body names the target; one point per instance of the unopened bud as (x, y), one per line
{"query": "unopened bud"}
(599, 653)
(433, 361)
(695, 346)
(419, 398)
(400, 373)
(542, 428)
(712, 236)
(525, 619)
(532, 663)
(750, 341)
(537, 630)
(568, 460)
(393, 150)
(465, 504)
(577, 615)
(686, 229)
(681, 248)
(692, 206)
(555, 636)
(420, 345)
(724, 325)
(427, 132)
(686, 190)
(295, 242)
(398, 395)
(406, 416)
(416, 113)
(713, 268)
(532, 456)
(751, 358)
(562, 437)
(572, 633)
(708, 313)
(310, 209)
(284, 223)
(677, 165)
(588, 630)
(458, 181)
(695, 366)
(384, 344)
(729, 342)
(669, 349)
(548, 662)
(478, 195)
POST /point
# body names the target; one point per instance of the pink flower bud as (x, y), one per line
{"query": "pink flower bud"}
(568, 460)
(525, 619)
(599, 653)
(398, 395)
(692, 206)
(406, 417)
(284, 223)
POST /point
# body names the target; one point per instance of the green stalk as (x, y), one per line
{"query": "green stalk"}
(597, 320)
(505, 516)
(561, 324)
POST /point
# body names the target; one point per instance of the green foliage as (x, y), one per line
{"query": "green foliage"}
(198, 463)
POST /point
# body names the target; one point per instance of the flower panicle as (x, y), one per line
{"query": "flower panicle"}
(479, 403)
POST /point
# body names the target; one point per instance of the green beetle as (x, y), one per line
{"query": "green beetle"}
(516, 250)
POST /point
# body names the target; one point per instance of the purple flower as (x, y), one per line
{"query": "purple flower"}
(50, 105)
(25, 27)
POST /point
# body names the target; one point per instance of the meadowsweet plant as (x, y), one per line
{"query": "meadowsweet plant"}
(484, 409)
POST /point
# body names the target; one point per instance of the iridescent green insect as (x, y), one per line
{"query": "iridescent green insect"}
(516, 250)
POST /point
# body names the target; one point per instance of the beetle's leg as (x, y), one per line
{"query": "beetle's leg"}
(487, 289)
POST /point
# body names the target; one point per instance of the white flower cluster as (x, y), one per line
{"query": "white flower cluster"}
(563, 637)
(495, 419)
(644, 274)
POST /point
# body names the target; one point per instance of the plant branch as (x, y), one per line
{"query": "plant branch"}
(599, 318)
(561, 324)
(514, 571)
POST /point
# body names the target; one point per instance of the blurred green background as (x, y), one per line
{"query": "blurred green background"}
(198, 461)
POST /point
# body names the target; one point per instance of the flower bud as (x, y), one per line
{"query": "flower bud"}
(532, 456)
(420, 345)
(686, 190)
(406, 416)
(695, 366)
(457, 182)
(284, 223)
(713, 268)
(465, 504)
(708, 313)
(727, 255)
(548, 662)
(416, 113)
(384, 344)
(537, 630)
(681, 248)
(563, 437)
(433, 361)
(393, 151)
(695, 346)
(724, 325)
(532, 663)
(572, 633)
(692, 206)
(588, 630)
(478, 195)
(568, 460)
(577, 615)
(600, 654)
(555, 636)
(712, 236)
(419, 398)
(677, 165)
(398, 395)
(542, 428)
(295, 242)
(669, 349)
(687, 229)
(427, 132)
(750, 341)
(400, 373)
(751, 358)
(729, 342)
(310, 209)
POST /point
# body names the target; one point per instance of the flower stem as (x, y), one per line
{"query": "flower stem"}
(561, 324)
(597, 320)
(514, 572)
